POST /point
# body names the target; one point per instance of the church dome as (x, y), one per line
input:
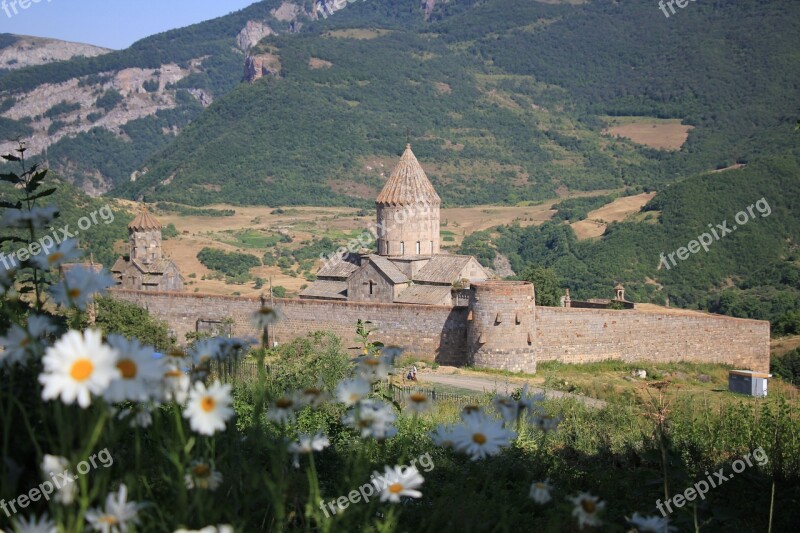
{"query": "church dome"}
(408, 184)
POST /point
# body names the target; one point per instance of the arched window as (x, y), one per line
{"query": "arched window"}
(402, 248)
(419, 248)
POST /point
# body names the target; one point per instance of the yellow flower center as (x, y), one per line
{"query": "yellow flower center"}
(541, 486)
(589, 506)
(173, 374)
(208, 403)
(396, 488)
(176, 352)
(362, 423)
(73, 293)
(371, 361)
(55, 257)
(471, 408)
(24, 342)
(127, 368)
(479, 438)
(418, 397)
(108, 519)
(284, 403)
(312, 391)
(201, 471)
(81, 369)
(354, 397)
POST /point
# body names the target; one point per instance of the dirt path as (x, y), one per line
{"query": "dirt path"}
(487, 384)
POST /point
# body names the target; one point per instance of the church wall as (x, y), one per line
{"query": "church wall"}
(428, 332)
(440, 332)
(358, 286)
(409, 225)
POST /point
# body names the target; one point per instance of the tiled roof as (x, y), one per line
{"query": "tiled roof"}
(119, 265)
(443, 269)
(408, 184)
(158, 267)
(327, 289)
(388, 268)
(144, 221)
(425, 295)
(341, 269)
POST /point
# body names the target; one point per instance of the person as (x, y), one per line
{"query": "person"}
(414, 373)
(410, 376)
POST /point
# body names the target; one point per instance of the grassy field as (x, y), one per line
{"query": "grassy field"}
(258, 230)
(663, 134)
(620, 209)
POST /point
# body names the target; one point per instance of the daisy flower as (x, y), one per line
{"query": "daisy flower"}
(137, 416)
(38, 217)
(78, 366)
(79, 285)
(202, 476)
(175, 384)
(372, 368)
(397, 482)
(266, 316)
(442, 436)
(481, 436)
(139, 372)
(307, 444)
(651, 524)
(540, 491)
(208, 408)
(586, 509)
(531, 402)
(546, 423)
(390, 353)
(118, 513)
(283, 410)
(373, 419)
(418, 402)
(350, 391)
(507, 406)
(63, 253)
(312, 396)
(52, 466)
(18, 342)
(206, 350)
(35, 525)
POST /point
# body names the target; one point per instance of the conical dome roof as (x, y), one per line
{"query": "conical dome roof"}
(408, 184)
(144, 221)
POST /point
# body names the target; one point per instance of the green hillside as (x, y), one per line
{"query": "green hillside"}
(752, 272)
(503, 97)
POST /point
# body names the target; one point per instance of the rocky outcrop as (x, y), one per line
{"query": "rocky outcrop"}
(28, 51)
(429, 5)
(251, 34)
(258, 66)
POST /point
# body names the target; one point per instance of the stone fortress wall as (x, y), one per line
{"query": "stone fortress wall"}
(501, 328)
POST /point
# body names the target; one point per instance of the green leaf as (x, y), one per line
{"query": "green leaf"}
(43, 194)
(9, 157)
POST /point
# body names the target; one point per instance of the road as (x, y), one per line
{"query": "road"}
(486, 384)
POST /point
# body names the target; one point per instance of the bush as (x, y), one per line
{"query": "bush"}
(233, 264)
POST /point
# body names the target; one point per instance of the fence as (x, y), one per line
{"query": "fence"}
(400, 394)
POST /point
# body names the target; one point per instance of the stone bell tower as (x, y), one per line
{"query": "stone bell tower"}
(144, 234)
(408, 211)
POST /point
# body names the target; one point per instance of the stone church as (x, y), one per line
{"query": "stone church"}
(144, 268)
(409, 267)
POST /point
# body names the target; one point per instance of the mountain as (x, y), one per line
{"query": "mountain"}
(20, 51)
(507, 101)
(99, 116)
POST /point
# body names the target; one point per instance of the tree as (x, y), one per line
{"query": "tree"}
(132, 321)
(546, 284)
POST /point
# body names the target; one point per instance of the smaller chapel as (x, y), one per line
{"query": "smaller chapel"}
(144, 268)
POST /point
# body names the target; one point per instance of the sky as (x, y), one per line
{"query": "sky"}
(110, 23)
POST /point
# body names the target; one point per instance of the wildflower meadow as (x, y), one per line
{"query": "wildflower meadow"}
(103, 430)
